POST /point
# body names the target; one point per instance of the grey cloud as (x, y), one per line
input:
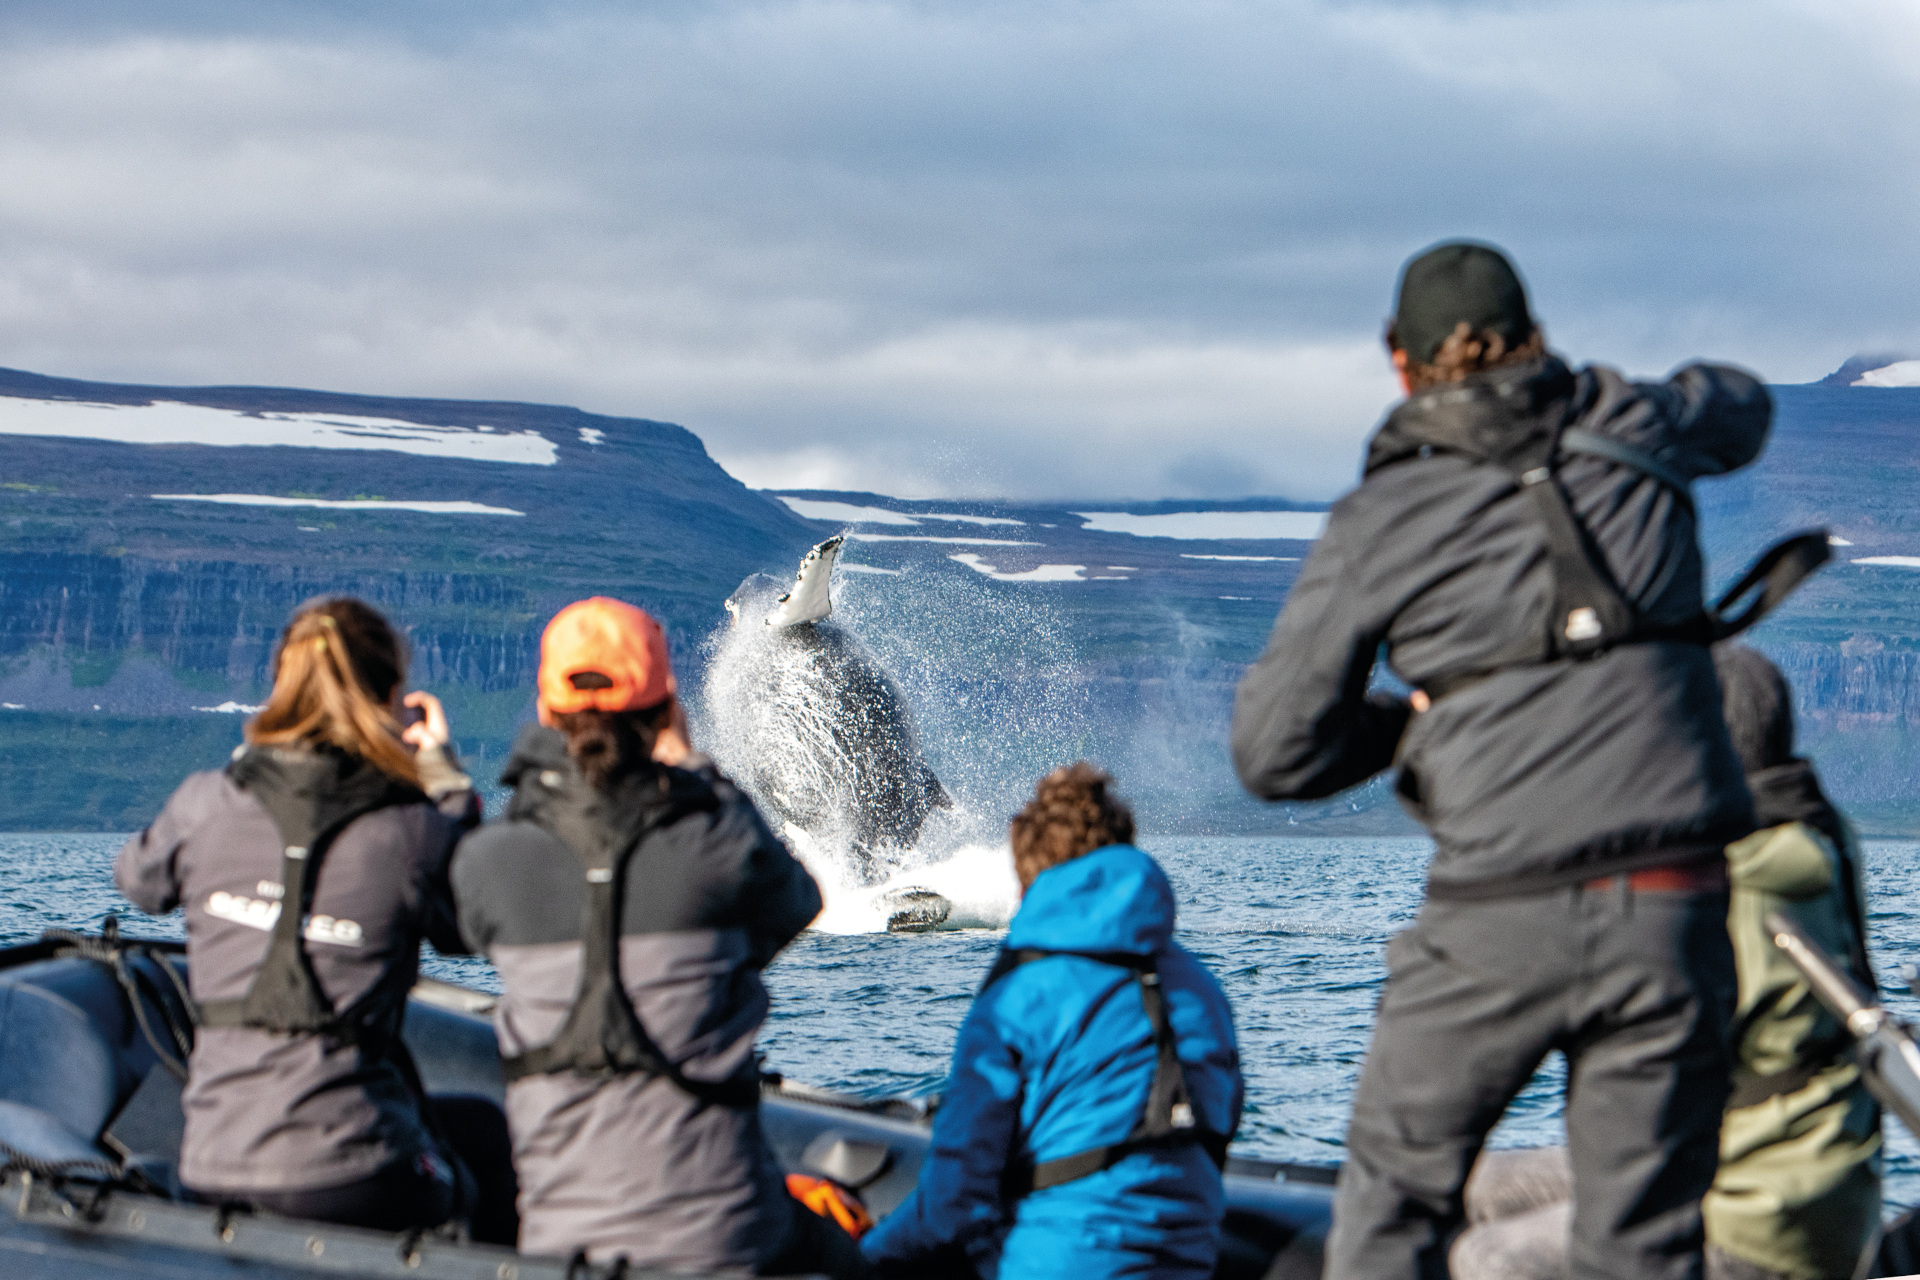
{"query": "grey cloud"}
(1052, 247)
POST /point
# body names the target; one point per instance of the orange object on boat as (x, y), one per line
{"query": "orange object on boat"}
(831, 1200)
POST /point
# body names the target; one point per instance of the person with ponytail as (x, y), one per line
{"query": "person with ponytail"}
(311, 867)
(630, 899)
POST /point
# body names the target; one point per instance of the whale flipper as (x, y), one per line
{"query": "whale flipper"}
(811, 597)
(915, 910)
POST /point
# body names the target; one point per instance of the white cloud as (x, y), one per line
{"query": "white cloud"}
(1040, 249)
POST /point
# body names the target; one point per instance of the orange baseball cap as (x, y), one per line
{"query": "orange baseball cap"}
(602, 655)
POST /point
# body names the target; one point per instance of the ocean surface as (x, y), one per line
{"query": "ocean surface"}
(1295, 929)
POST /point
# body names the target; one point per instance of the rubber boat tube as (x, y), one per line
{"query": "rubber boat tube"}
(90, 1127)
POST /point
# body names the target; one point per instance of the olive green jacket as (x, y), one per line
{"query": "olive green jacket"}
(1798, 1191)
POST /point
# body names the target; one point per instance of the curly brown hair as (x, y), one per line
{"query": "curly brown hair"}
(1072, 813)
(1465, 353)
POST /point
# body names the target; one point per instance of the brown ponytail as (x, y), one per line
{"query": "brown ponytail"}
(607, 744)
(334, 676)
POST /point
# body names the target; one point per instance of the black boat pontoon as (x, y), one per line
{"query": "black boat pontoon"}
(92, 1033)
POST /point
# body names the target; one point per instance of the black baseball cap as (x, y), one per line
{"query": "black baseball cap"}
(1455, 281)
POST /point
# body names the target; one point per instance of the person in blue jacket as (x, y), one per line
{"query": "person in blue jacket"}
(1095, 1081)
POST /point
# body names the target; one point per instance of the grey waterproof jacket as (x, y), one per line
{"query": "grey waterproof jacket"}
(1538, 775)
(273, 1112)
(634, 1165)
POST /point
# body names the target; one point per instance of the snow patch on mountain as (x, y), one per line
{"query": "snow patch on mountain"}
(913, 537)
(1210, 526)
(170, 422)
(955, 518)
(342, 504)
(1902, 373)
(845, 512)
(1043, 573)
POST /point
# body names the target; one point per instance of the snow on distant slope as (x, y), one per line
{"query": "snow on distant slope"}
(852, 513)
(1903, 373)
(169, 422)
(343, 504)
(1300, 526)
(1044, 573)
(845, 512)
(954, 518)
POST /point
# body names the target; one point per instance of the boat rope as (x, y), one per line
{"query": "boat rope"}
(111, 950)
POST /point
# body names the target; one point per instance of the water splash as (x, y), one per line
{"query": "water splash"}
(977, 881)
(997, 697)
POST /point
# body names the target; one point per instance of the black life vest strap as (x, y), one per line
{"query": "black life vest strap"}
(1590, 614)
(603, 1034)
(285, 996)
(1773, 577)
(1169, 1118)
(1574, 440)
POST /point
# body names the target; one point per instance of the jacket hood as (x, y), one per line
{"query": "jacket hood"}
(310, 793)
(537, 747)
(1492, 415)
(1791, 792)
(1113, 899)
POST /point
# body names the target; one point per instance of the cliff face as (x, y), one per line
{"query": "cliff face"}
(126, 594)
(122, 611)
(218, 619)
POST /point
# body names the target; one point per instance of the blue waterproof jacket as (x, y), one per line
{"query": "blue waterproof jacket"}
(1054, 1059)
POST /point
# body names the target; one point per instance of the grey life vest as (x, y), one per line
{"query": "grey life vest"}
(309, 812)
(602, 1035)
(1169, 1118)
(1590, 614)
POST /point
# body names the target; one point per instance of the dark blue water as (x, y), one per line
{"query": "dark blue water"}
(1295, 929)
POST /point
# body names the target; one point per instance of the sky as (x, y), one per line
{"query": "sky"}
(1023, 248)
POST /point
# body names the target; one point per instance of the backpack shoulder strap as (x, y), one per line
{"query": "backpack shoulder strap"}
(286, 995)
(1169, 1118)
(1575, 440)
(603, 1034)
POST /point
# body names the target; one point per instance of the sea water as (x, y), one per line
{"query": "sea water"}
(1294, 928)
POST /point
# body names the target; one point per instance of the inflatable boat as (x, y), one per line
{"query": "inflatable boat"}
(93, 1029)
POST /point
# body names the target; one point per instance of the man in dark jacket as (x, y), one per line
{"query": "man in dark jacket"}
(633, 992)
(1523, 546)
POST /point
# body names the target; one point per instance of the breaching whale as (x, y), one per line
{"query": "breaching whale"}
(823, 736)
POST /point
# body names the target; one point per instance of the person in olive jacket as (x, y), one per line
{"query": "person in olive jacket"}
(1798, 1190)
(1522, 552)
(300, 1099)
(630, 900)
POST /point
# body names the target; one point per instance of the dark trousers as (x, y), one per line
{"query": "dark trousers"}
(474, 1180)
(1636, 988)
